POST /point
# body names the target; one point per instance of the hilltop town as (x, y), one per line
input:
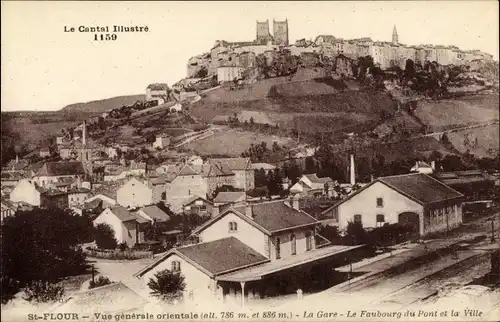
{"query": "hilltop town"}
(269, 158)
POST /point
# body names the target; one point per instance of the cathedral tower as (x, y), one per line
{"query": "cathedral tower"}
(395, 39)
(263, 34)
(280, 30)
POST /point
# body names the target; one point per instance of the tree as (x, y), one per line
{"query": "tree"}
(40, 245)
(260, 178)
(276, 146)
(167, 285)
(310, 165)
(100, 281)
(43, 292)
(274, 185)
(410, 68)
(105, 237)
(356, 234)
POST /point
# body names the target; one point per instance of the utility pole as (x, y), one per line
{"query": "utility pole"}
(492, 230)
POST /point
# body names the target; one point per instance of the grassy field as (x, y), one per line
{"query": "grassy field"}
(487, 138)
(232, 142)
(32, 133)
(440, 115)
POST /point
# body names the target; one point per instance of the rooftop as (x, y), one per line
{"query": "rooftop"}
(155, 213)
(63, 168)
(233, 163)
(215, 257)
(230, 196)
(421, 187)
(122, 213)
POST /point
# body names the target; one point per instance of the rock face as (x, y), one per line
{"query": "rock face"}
(343, 66)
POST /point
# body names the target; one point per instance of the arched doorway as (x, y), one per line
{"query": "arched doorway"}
(411, 221)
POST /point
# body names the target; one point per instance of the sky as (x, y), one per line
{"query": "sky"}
(45, 68)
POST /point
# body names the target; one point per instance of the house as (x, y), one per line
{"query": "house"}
(54, 199)
(247, 250)
(11, 178)
(158, 183)
(53, 172)
(157, 91)
(103, 199)
(197, 205)
(77, 196)
(44, 152)
(134, 193)
(153, 214)
(423, 167)
(241, 167)
(126, 225)
(311, 185)
(195, 160)
(162, 141)
(65, 152)
(230, 197)
(59, 140)
(186, 183)
(229, 73)
(417, 199)
(474, 184)
(7, 209)
(27, 191)
(112, 152)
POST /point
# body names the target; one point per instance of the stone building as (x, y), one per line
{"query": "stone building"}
(280, 30)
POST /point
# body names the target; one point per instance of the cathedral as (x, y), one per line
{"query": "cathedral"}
(280, 33)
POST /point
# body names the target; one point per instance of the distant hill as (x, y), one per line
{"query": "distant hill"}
(101, 106)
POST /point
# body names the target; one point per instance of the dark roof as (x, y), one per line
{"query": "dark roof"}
(229, 196)
(222, 255)
(216, 257)
(277, 216)
(112, 298)
(123, 214)
(155, 213)
(194, 198)
(187, 171)
(314, 178)
(63, 168)
(421, 187)
(233, 163)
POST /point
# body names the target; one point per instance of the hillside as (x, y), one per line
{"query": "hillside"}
(101, 106)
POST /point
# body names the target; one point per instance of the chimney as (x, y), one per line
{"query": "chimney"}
(295, 202)
(416, 166)
(352, 173)
(371, 177)
(17, 158)
(215, 211)
(433, 165)
(84, 133)
(248, 211)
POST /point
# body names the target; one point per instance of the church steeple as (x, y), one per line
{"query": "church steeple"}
(395, 39)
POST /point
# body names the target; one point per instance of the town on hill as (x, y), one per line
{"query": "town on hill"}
(275, 173)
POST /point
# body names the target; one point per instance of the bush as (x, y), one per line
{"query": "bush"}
(100, 281)
(123, 246)
(9, 288)
(105, 237)
(167, 285)
(43, 292)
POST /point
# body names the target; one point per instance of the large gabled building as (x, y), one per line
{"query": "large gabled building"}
(247, 250)
(416, 199)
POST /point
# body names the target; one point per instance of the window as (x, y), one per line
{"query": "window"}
(357, 219)
(233, 226)
(189, 192)
(176, 266)
(278, 248)
(308, 241)
(380, 220)
(380, 202)
(293, 242)
(163, 196)
(203, 208)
